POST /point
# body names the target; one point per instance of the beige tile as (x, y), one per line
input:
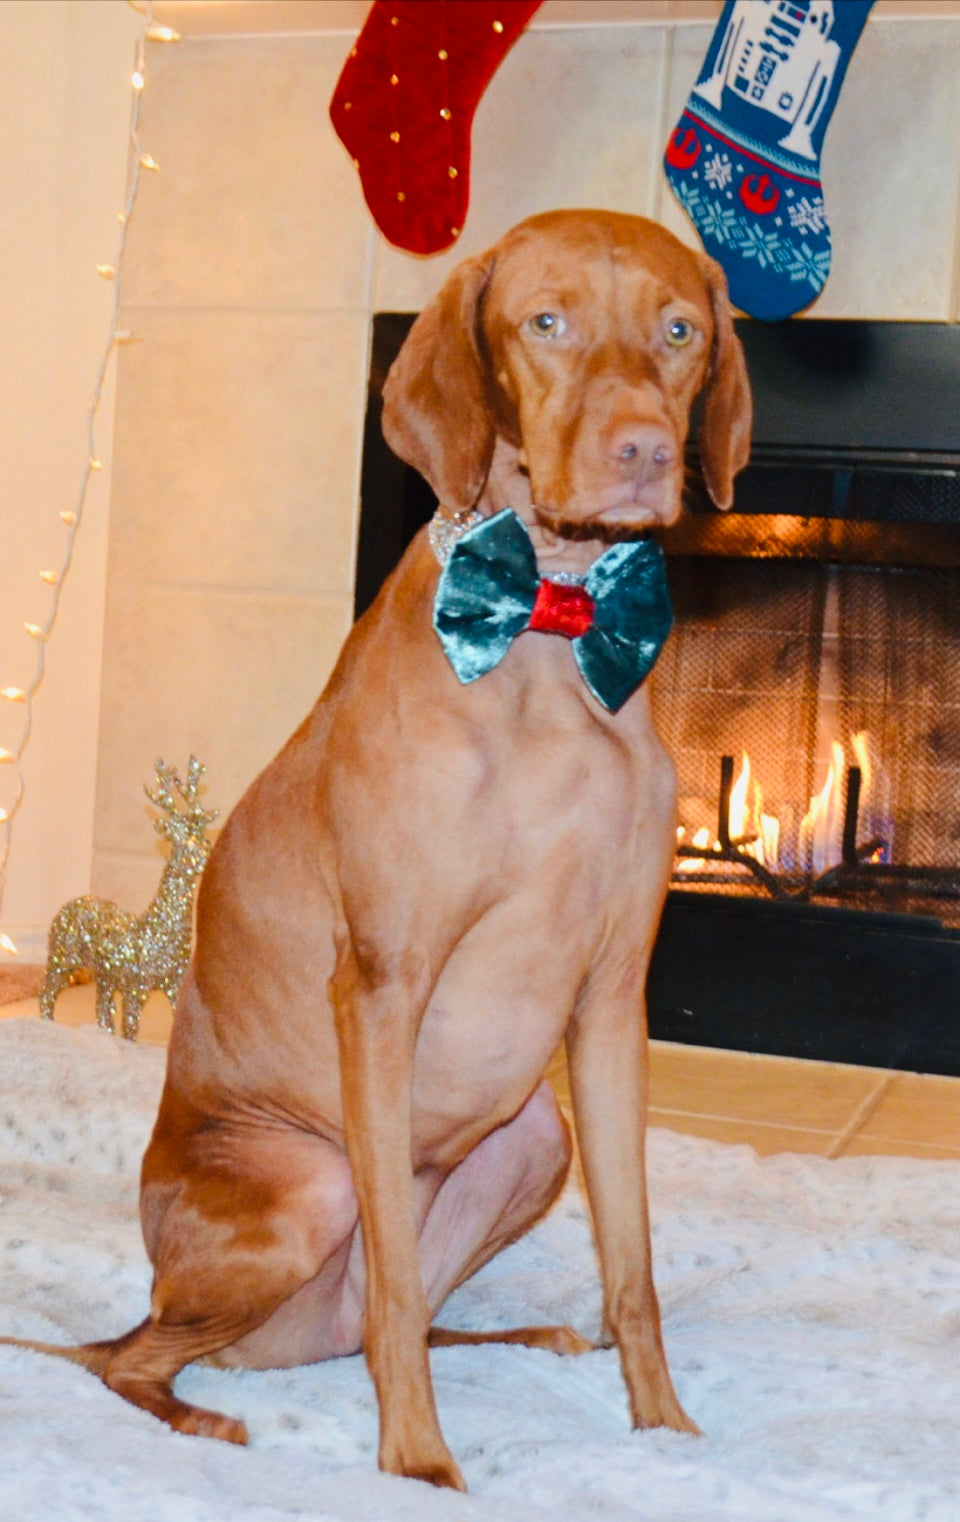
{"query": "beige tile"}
(571, 118)
(227, 675)
(76, 1006)
(238, 443)
(875, 1146)
(771, 1091)
(889, 172)
(130, 879)
(256, 203)
(765, 1140)
(918, 1108)
(687, 48)
(891, 201)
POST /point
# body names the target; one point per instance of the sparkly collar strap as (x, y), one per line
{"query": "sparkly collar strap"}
(445, 529)
(490, 591)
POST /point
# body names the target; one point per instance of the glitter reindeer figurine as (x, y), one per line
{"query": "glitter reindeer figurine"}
(129, 955)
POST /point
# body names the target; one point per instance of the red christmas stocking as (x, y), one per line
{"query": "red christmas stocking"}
(404, 105)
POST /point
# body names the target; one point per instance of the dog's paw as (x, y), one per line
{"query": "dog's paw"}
(197, 1422)
(665, 1412)
(435, 1467)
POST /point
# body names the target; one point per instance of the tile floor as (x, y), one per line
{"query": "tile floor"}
(775, 1104)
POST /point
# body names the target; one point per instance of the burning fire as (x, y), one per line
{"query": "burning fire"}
(819, 843)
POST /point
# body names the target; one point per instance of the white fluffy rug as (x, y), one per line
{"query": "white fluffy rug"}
(811, 1310)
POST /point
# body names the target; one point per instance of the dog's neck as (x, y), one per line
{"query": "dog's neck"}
(508, 485)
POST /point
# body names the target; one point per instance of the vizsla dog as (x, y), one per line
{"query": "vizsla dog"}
(457, 861)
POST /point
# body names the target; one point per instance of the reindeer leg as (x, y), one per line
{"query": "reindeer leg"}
(56, 980)
(132, 1010)
(105, 997)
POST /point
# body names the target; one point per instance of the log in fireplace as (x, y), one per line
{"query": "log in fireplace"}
(810, 696)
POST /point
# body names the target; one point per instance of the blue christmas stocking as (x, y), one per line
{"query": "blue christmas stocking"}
(744, 159)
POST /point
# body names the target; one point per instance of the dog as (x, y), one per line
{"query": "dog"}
(457, 862)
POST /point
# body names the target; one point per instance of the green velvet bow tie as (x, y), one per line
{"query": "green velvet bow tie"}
(617, 618)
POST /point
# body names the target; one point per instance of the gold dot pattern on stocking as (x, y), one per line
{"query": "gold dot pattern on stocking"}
(428, 71)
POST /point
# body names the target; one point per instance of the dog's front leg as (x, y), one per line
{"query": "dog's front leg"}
(377, 1022)
(607, 1055)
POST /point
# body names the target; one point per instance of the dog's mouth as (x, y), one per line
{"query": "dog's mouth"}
(613, 520)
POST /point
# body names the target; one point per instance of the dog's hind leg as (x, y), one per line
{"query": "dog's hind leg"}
(498, 1192)
(233, 1233)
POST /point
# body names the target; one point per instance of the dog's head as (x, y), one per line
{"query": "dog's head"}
(580, 340)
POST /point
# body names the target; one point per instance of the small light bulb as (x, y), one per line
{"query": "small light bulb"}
(7, 944)
(4, 816)
(69, 518)
(158, 33)
(5, 755)
(50, 577)
(108, 271)
(34, 630)
(121, 217)
(148, 162)
(137, 80)
(126, 336)
(94, 463)
(13, 694)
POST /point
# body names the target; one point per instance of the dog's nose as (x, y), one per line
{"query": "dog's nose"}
(642, 451)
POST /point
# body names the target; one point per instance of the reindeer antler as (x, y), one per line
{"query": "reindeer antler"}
(163, 797)
(169, 778)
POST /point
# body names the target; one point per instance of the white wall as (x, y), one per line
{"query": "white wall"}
(64, 111)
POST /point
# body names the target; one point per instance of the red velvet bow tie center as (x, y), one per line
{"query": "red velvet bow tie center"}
(562, 609)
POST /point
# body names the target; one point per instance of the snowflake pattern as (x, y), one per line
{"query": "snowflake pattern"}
(719, 222)
(718, 171)
(808, 265)
(756, 244)
(688, 196)
(773, 249)
(808, 216)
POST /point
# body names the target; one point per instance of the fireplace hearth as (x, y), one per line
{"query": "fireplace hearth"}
(810, 697)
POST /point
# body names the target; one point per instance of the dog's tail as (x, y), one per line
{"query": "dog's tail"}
(94, 1356)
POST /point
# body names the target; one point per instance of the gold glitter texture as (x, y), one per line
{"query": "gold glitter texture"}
(131, 955)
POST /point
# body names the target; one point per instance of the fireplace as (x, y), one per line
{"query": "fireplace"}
(810, 697)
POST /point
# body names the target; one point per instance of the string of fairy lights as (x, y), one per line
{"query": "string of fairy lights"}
(12, 759)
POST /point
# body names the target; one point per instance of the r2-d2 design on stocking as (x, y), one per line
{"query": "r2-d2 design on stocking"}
(778, 55)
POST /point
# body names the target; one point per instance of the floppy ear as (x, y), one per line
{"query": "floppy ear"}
(436, 407)
(728, 407)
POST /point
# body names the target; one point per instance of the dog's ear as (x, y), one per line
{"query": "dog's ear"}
(436, 405)
(728, 407)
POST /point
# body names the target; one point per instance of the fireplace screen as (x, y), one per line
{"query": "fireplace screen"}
(833, 692)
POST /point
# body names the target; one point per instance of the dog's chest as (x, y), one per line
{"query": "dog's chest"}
(564, 860)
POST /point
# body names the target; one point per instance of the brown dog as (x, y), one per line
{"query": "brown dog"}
(438, 879)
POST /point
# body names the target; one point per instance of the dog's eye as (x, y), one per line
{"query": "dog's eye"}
(546, 325)
(679, 332)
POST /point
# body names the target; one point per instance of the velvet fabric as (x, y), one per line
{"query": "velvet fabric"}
(489, 587)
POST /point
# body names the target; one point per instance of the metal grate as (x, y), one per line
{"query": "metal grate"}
(779, 660)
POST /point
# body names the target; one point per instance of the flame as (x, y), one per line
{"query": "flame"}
(822, 826)
(820, 841)
(746, 817)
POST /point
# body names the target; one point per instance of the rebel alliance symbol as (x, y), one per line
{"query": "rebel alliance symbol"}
(683, 149)
(758, 193)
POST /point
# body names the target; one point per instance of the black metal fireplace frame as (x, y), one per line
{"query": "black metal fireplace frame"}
(779, 973)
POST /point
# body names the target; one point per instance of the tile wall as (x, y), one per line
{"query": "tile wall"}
(253, 273)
